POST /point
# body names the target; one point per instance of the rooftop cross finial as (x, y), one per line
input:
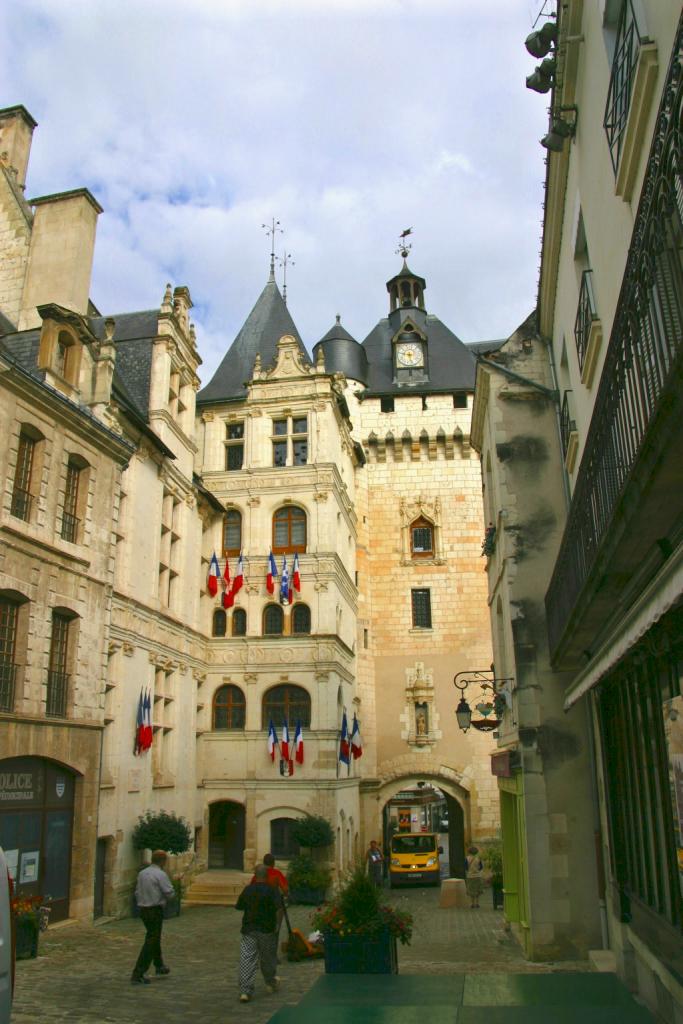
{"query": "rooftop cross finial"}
(285, 261)
(272, 229)
(404, 246)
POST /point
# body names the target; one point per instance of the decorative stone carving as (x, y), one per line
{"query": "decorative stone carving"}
(420, 718)
(128, 649)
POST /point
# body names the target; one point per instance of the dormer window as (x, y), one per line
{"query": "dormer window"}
(65, 362)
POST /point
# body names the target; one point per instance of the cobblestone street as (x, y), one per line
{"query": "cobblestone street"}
(82, 972)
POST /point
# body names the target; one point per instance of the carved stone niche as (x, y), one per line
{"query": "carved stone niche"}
(420, 718)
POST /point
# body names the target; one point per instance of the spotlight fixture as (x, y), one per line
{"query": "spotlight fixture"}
(560, 130)
(540, 43)
(542, 78)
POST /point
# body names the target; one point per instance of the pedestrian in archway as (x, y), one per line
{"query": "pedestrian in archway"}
(474, 876)
(375, 861)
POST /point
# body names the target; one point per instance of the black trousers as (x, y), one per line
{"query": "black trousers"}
(153, 919)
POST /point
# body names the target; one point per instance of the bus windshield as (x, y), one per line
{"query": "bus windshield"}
(413, 842)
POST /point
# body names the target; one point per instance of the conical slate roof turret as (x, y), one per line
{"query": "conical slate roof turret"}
(342, 353)
(263, 328)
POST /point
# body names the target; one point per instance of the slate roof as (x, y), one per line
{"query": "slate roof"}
(450, 362)
(482, 348)
(134, 335)
(6, 326)
(336, 332)
(263, 328)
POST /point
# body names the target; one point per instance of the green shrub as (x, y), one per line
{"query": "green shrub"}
(313, 831)
(492, 856)
(304, 873)
(162, 831)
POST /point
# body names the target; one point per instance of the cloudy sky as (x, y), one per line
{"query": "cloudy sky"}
(194, 121)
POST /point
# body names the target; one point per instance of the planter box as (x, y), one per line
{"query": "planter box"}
(360, 954)
(313, 897)
(26, 940)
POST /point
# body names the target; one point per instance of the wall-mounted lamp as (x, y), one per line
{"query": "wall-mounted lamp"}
(540, 43)
(542, 78)
(494, 696)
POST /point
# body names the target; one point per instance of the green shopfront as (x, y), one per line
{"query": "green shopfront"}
(36, 828)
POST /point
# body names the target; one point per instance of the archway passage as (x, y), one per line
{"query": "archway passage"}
(36, 827)
(226, 835)
(424, 807)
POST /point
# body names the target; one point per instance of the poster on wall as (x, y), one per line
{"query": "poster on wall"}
(673, 730)
(12, 858)
(28, 867)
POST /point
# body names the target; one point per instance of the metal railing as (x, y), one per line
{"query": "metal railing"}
(585, 315)
(567, 422)
(21, 504)
(624, 65)
(57, 693)
(69, 527)
(643, 359)
(8, 680)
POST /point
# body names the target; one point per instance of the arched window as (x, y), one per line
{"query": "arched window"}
(239, 622)
(289, 531)
(301, 618)
(26, 471)
(421, 538)
(272, 620)
(282, 843)
(75, 496)
(232, 533)
(219, 623)
(286, 703)
(13, 644)
(229, 708)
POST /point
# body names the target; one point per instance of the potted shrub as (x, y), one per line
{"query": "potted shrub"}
(360, 931)
(493, 858)
(29, 918)
(307, 880)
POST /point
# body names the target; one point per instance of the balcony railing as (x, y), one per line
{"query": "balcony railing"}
(567, 422)
(57, 692)
(642, 363)
(8, 681)
(585, 315)
(69, 527)
(624, 65)
(21, 504)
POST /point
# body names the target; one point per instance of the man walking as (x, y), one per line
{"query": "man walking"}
(152, 891)
(259, 902)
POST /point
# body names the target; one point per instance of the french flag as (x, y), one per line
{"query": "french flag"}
(284, 742)
(272, 574)
(239, 576)
(356, 741)
(299, 743)
(272, 740)
(296, 578)
(228, 591)
(214, 576)
(147, 730)
(344, 741)
(140, 726)
(285, 592)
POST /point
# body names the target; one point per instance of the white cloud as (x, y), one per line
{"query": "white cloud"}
(349, 120)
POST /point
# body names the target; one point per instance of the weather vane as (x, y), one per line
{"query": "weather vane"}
(285, 261)
(272, 229)
(404, 246)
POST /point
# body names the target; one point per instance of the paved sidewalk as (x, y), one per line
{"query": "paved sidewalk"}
(82, 973)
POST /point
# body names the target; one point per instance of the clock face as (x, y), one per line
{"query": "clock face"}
(409, 353)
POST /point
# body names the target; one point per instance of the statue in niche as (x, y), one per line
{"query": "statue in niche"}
(420, 721)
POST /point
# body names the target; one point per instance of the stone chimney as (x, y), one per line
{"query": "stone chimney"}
(61, 255)
(16, 133)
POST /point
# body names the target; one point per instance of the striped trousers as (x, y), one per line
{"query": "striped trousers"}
(257, 948)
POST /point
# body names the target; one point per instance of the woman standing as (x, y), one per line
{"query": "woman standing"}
(375, 861)
(474, 872)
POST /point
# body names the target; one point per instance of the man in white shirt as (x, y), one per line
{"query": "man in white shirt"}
(152, 891)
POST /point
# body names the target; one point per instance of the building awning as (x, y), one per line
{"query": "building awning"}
(661, 594)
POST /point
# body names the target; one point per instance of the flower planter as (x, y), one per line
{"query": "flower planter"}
(26, 939)
(360, 954)
(302, 894)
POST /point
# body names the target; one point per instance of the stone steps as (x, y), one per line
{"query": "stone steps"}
(216, 889)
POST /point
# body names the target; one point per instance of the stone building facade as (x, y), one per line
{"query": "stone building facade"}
(585, 586)
(354, 459)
